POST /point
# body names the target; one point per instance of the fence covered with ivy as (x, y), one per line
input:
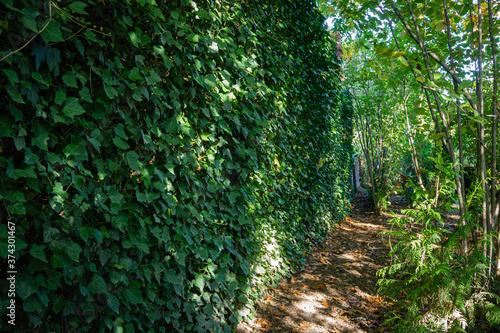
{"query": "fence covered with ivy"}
(160, 160)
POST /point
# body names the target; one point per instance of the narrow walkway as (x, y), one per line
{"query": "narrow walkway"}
(336, 290)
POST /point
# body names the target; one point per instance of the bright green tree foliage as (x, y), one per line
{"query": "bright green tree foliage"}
(160, 159)
(436, 62)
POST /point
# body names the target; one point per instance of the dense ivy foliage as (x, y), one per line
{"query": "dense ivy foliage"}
(160, 159)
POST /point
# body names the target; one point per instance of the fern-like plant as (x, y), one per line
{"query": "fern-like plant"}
(439, 286)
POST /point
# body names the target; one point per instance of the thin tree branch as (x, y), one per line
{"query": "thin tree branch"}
(38, 33)
(436, 58)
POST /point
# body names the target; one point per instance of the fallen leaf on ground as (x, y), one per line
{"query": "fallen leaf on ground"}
(344, 314)
(263, 324)
(349, 313)
(373, 299)
(319, 285)
(304, 326)
(351, 288)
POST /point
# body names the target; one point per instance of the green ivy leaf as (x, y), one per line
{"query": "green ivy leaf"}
(141, 197)
(192, 37)
(128, 20)
(132, 160)
(59, 190)
(210, 81)
(16, 196)
(49, 234)
(59, 305)
(120, 143)
(60, 97)
(5, 131)
(199, 282)
(85, 94)
(98, 236)
(70, 80)
(41, 131)
(203, 13)
(176, 281)
(120, 131)
(97, 285)
(25, 288)
(15, 95)
(58, 260)
(84, 232)
(113, 303)
(250, 81)
(37, 251)
(90, 35)
(28, 18)
(30, 305)
(115, 196)
(53, 279)
(133, 293)
(73, 251)
(134, 39)
(111, 92)
(135, 74)
(52, 32)
(95, 143)
(153, 77)
(78, 7)
(73, 108)
(11, 76)
(20, 143)
(17, 208)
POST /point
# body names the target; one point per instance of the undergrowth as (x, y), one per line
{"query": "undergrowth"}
(438, 286)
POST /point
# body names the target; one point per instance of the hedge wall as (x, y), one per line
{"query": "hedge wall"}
(162, 160)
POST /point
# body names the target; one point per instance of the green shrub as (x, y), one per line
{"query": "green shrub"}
(151, 152)
(439, 288)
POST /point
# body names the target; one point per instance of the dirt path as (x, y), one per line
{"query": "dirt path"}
(336, 290)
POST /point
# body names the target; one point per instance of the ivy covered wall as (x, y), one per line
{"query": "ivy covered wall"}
(161, 160)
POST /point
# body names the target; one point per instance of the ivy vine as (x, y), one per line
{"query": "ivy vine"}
(161, 160)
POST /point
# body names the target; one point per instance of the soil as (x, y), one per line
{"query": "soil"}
(335, 291)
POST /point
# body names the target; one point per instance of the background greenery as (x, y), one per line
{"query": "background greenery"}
(164, 160)
(424, 78)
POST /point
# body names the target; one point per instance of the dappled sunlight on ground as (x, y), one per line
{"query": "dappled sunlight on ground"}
(335, 291)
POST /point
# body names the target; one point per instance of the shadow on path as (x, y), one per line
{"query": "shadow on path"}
(336, 289)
